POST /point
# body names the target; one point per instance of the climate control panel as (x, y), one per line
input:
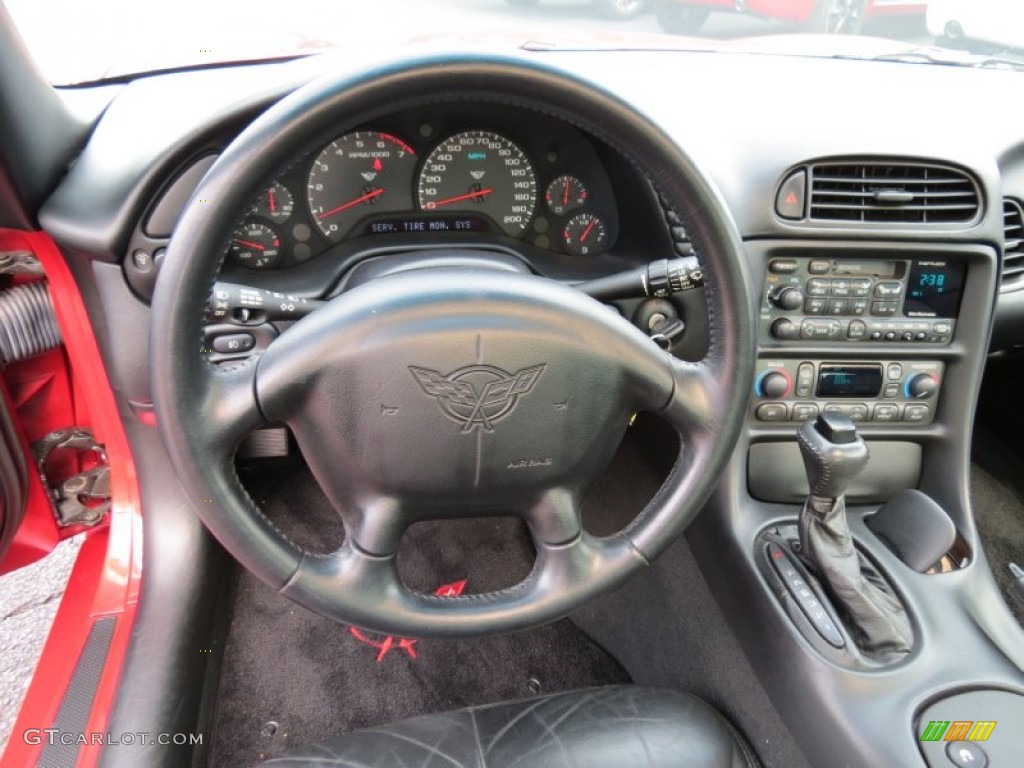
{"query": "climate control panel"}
(873, 392)
(898, 300)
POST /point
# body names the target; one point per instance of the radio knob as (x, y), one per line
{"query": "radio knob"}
(785, 329)
(921, 386)
(774, 385)
(788, 298)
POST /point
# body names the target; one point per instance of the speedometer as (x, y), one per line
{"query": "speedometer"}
(484, 173)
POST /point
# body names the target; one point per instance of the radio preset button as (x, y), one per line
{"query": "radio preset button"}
(860, 287)
(817, 286)
(888, 290)
(858, 307)
(841, 288)
(884, 308)
(815, 306)
(771, 412)
(838, 306)
(819, 267)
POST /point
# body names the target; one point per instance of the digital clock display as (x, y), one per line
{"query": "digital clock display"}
(933, 288)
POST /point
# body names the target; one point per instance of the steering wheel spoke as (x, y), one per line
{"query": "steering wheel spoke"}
(697, 403)
(229, 406)
(555, 519)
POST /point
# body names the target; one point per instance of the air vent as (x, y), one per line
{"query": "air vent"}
(882, 193)
(1013, 244)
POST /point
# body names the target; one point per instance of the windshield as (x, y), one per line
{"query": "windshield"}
(76, 41)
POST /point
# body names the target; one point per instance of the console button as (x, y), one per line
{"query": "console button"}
(920, 336)
(887, 412)
(783, 266)
(915, 412)
(966, 754)
(942, 328)
(857, 330)
(804, 380)
(858, 307)
(817, 286)
(876, 335)
(819, 267)
(890, 336)
(894, 371)
(856, 411)
(841, 288)
(884, 308)
(891, 390)
(821, 329)
(888, 290)
(860, 287)
(789, 201)
(838, 306)
(805, 411)
(234, 343)
(907, 336)
(771, 412)
(815, 306)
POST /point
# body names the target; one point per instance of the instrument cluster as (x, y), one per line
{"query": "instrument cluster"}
(549, 190)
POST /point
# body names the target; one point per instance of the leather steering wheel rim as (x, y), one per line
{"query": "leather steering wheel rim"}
(204, 411)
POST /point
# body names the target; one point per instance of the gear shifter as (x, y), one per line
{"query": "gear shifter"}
(834, 454)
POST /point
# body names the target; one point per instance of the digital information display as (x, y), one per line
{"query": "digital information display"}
(396, 225)
(849, 381)
(934, 287)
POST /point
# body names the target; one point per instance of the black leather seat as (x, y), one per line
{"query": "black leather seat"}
(622, 726)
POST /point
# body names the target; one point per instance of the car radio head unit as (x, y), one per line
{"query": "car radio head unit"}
(808, 298)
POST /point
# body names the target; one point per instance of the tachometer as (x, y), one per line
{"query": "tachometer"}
(484, 173)
(357, 175)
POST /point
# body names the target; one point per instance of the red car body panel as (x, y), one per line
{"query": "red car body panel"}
(800, 10)
(107, 574)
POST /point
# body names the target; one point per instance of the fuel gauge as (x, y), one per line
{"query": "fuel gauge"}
(276, 203)
(585, 235)
(565, 194)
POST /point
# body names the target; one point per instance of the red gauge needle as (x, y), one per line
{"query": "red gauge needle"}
(247, 244)
(586, 231)
(565, 194)
(350, 203)
(457, 198)
(273, 203)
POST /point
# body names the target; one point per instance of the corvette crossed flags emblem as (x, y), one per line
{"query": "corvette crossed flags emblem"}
(477, 395)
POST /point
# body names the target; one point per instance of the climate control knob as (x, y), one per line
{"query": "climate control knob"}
(774, 385)
(921, 386)
(788, 298)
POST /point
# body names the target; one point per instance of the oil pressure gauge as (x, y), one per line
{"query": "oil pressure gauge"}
(585, 235)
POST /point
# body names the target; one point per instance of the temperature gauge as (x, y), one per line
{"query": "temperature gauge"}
(255, 245)
(276, 204)
(585, 235)
(566, 193)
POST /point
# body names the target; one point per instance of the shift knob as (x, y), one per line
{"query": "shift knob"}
(834, 454)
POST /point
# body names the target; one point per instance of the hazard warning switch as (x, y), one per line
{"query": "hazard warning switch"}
(789, 202)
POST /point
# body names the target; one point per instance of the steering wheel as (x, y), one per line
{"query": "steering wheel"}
(448, 393)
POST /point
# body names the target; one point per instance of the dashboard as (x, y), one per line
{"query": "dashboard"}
(447, 170)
